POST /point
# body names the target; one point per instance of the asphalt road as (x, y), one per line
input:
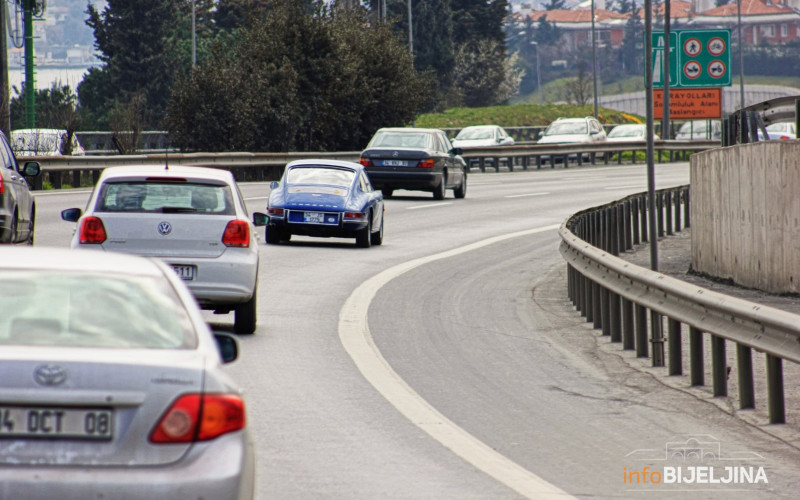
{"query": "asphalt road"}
(449, 364)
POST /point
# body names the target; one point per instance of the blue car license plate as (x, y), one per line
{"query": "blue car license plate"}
(314, 217)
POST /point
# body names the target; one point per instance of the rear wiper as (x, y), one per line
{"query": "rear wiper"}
(178, 210)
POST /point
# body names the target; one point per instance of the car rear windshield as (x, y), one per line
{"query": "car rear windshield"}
(165, 197)
(387, 139)
(475, 133)
(625, 132)
(567, 128)
(321, 176)
(44, 308)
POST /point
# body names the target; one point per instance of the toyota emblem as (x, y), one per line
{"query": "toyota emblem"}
(49, 375)
(164, 228)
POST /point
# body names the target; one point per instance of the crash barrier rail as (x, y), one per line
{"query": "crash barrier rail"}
(614, 295)
(742, 126)
(85, 170)
(105, 143)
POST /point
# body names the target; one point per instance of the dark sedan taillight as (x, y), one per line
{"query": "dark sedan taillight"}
(426, 163)
(199, 417)
(237, 234)
(92, 231)
(366, 162)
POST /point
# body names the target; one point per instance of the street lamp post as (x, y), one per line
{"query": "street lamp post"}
(410, 30)
(594, 63)
(194, 35)
(538, 73)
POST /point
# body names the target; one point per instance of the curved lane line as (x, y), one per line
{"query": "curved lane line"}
(356, 338)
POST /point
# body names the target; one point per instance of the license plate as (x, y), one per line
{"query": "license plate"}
(184, 272)
(74, 423)
(314, 217)
(395, 163)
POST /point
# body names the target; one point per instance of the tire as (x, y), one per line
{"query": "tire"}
(376, 238)
(387, 192)
(461, 190)
(29, 241)
(441, 190)
(364, 236)
(244, 317)
(272, 235)
(12, 230)
(284, 236)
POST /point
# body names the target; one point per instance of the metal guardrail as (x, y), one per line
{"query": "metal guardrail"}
(85, 170)
(615, 295)
(744, 125)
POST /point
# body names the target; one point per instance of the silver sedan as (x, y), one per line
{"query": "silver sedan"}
(111, 383)
(193, 218)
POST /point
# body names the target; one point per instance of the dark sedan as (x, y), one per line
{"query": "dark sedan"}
(325, 198)
(418, 159)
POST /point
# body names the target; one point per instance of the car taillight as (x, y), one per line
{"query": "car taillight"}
(275, 212)
(199, 417)
(237, 234)
(2, 184)
(366, 162)
(355, 215)
(92, 232)
(426, 163)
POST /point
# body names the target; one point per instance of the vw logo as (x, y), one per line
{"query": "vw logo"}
(49, 375)
(395, 154)
(164, 228)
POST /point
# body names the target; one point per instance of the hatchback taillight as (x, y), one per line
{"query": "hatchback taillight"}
(366, 162)
(199, 417)
(92, 232)
(237, 234)
(426, 163)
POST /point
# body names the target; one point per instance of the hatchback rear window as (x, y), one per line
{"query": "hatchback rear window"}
(165, 197)
(92, 310)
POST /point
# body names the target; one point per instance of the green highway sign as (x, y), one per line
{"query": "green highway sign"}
(698, 58)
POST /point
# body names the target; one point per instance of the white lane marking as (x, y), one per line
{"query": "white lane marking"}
(524, 195)
(432, 205)
(356, 338)
(59, 192)
(632, 186)
(257, 198)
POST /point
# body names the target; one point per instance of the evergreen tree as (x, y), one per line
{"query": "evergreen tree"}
(631, 51)
(555, 5)
(475, 20)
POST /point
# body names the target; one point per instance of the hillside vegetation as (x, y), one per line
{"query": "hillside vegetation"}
(519, 115)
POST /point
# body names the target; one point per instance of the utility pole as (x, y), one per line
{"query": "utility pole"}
(5, 111)
(30, 83)
(665, 126)
(594, 63)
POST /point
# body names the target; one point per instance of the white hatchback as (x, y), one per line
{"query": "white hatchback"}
(193, 218)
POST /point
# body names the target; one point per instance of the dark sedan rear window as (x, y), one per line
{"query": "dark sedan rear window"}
(417, 140)
(165, 197)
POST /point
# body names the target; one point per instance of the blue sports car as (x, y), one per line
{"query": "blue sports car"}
(325, 198)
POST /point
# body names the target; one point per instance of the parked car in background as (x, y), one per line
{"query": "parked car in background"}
(629, 132)
(572, 131)
(781, 131)
(700, 130)
(17, 205)
(325, 198)
(45, 142)
(482, 136)
(111, 383)
(193, 218)
(417, 159)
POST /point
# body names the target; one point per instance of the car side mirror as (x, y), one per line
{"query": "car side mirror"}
(260, 219)
(499, 140)
(457, 151)
(71, 214)
(273, 185)
(31, 169)
(228, 348)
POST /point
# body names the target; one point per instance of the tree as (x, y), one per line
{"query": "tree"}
(475, 20)
(555, 5)
(631, 50)
(579, 90)
(483, 74)
(55, 108)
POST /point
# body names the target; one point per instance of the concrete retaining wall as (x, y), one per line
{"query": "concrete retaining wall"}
(745, 207)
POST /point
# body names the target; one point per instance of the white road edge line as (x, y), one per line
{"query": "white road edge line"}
(357, 340)
(432, 205)
(524, 195)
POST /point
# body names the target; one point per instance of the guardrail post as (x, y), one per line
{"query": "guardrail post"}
(675, 347)
(660, 214)
(678, 199)
(570, 284)
(628, 343)
(697, 375)
(635, 212)
(616, 327)
(643, 220)
(553, 162)
(657, 338)
(719, 367)
(744, 371)
(668, 209)
(613, 231)
(588, 306)
(626, 217)
(642, 350)
(581, 293)
(482, 164)
(525, 162)
(538, 162)
(76, 178)
(619, 158)
(777, 409)
(55, 178)
(496, 163)
(597, 314)
(605, 317)
(686, 208)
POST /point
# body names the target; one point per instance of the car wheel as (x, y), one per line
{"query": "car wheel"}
(29, 241)
(12, 229)
(244, 319)
(363, 236)
(441, 190)
(387, 192)
(272, 235)
(461, 190)
(284, 236)
(376, 238)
